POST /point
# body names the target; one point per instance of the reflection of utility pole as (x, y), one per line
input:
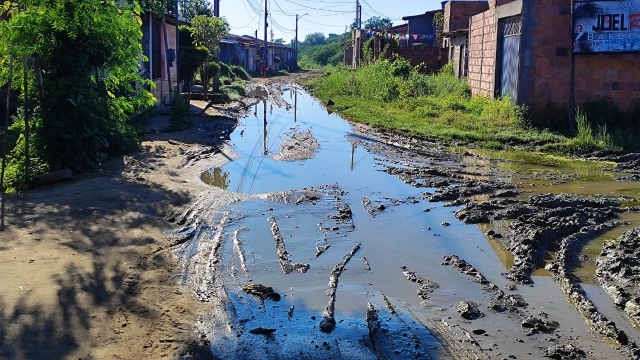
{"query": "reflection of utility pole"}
(295, 107)
(264, 136)
(353, 152)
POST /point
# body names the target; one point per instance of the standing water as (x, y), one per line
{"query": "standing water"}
(304, 168)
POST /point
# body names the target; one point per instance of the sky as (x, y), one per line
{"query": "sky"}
(325, 16)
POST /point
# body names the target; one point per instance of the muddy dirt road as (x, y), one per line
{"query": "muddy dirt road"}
(294, 234)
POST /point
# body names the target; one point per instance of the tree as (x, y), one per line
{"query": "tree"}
(313, 39)
(374, 23)
(207, 32)
(378, 23)
(279, 41)
(193, 8)
(89, 53)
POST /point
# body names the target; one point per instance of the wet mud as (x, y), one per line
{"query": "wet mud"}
(618, 271)
(310, 197)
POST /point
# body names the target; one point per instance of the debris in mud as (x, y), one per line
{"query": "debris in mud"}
(198, 152)
(426, 286)
(261, 291)
(283, 256)
(298, 146)
(290, 312)
(344, 214)
(320, 249)
(565, 352)
(308, 196)
(444, 223)
(469, 310)
(328, 322)
(479, 331)
(536, 325)
(262, 331)
(369, 207)
(618, 270)
(366, 263)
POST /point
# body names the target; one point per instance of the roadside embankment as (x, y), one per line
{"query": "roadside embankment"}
(393, 96)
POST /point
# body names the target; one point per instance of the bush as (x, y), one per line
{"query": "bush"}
(240, 72)
(180, 114)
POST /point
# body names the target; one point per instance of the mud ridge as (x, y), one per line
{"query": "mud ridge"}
(283, 256)
(501, 301)
(618, 271)
(426, 286)
(571, 288)
(328, 322)
(539, 224)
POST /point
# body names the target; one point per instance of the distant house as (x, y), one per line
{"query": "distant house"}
(247, 51)
(416, 39)
(154, 49)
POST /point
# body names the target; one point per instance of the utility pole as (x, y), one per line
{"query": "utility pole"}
(178, 90)
(357, 14)
(266, 25)
(216, 8)
(296, 42)
(256, 34)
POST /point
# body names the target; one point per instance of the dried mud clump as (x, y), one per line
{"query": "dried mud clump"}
(565, 352)
(261, 291)
(469, 310)
(537, 325)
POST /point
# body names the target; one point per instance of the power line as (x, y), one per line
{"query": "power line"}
(312, 8)
(313, 22)
(278, 5)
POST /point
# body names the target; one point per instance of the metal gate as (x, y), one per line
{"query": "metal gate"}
(510, 31)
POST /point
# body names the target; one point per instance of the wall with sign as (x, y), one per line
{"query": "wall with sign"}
(598, 72)
(606, 27)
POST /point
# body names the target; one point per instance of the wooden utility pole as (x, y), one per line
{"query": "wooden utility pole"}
(216, 8)
(27, 135)
(296, 42)
(4, 141)
(266, 25)
(178, 89)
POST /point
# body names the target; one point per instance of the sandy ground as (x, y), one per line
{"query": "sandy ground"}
(87, 272)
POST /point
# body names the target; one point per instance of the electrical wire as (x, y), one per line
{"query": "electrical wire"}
(278, 5)
(318, 9)
(313, 22)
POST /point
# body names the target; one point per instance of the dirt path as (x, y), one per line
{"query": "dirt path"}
(87, 271)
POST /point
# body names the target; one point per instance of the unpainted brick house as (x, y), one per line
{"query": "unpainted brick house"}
(521, 48)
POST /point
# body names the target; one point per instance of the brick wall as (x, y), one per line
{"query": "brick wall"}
(612, 75)
(424, 54)
(457, 13)
(482, 52)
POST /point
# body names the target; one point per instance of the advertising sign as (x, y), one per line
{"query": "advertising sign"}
(606, 26)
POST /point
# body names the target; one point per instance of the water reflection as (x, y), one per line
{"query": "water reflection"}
(216, 177)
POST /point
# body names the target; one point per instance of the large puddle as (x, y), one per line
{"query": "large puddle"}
(402, 230)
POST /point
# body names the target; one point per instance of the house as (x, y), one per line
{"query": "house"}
(457, 14)
(247, 51)
(154, 49)
(416, 42)
(523, 49)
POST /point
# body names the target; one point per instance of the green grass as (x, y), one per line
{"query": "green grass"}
(394, 96)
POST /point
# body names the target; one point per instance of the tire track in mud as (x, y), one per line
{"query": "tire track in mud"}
(570, 286)
(328, 322)
(286, 264)
(238, 248)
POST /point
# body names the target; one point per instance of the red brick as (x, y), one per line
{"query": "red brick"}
(599, 74)
(592, 84)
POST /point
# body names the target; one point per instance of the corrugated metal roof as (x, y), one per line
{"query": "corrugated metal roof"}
(228, 41)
